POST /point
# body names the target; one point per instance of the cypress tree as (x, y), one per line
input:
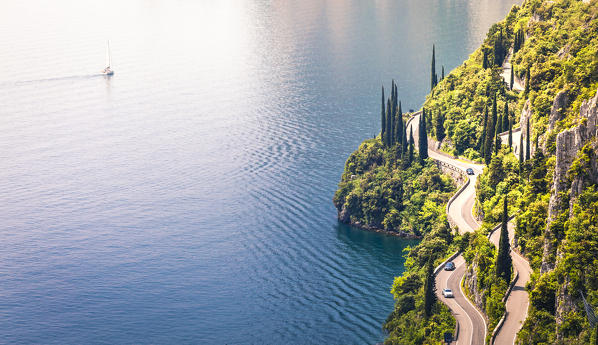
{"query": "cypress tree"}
(510, 134)
(501, 48)
(482, 142)
(404, 140)
(394, 115)
(519, 39)
(503, 259)
(527, 78)
(399, 126)
(388, 128)
(521, 149)
(391, 138)
(490, 131)
(391, 117)
(440, 126)
(433, 77)
(485, 59)
(396, 95)
(423, 138)
(488, 142)
(497, 143)
(442, 75)
(395, 130)
(527, 143)
(383, 117)
(512, 78)
(497, 61)
(505, 118)
(498, 128)
(494, 113)
(411, 144)
(429, 289)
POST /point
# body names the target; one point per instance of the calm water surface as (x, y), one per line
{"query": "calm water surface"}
(188, 198)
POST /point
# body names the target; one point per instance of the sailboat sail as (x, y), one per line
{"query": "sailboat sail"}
(108, 71)
(108, 54)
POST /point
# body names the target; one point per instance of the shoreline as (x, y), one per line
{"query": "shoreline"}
(400, 234)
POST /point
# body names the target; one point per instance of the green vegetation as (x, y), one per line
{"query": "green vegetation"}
(392, 123)
(554, 47)
(422, 138)
(433, 75)
(576, 270)
(380, 190)
(504, 262)
(556, 314)
(418, 317)
(388, 185)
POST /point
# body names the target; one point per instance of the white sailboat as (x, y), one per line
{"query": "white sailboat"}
(108, 70)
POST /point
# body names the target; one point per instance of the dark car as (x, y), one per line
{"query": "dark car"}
(449, 266)
(470, 171)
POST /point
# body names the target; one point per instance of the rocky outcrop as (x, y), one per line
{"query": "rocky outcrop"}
(565, 190)
(526, 113)
(556, 111)
(470, 281)
(589, 176)
(587, 132)
(344, 216)
(564, 187)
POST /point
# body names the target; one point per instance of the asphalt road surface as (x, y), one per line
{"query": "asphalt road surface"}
(472, 324)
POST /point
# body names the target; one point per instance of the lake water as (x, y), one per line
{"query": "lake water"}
(187, 199)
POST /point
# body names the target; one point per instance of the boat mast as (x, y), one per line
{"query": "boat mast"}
(108, 52)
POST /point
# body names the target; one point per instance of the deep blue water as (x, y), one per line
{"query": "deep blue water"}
(187, 199)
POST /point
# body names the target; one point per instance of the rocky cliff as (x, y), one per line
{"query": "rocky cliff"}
(565, 187)
(574, 172)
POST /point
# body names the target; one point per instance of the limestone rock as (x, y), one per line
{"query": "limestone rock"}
(568, 144)
(526, 113)
(344, 216)
(556, 111)
(471, 282)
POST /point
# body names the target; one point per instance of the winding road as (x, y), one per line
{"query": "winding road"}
(518, 84)
(518, 301)
(472, 323)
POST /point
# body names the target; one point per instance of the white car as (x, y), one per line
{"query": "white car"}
(447, 293)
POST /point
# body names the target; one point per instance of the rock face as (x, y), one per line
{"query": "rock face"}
(344, 216)
(587, 132)
(526, 113)
(568, 144)
(556, 112)
(471, 282)
(567, 188)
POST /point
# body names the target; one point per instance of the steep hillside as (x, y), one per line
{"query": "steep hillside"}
(525, 104)
(549, 176)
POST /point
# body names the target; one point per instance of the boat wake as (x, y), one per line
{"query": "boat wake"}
(54, 79)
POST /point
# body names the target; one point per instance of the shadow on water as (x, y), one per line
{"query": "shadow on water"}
(373, 242)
